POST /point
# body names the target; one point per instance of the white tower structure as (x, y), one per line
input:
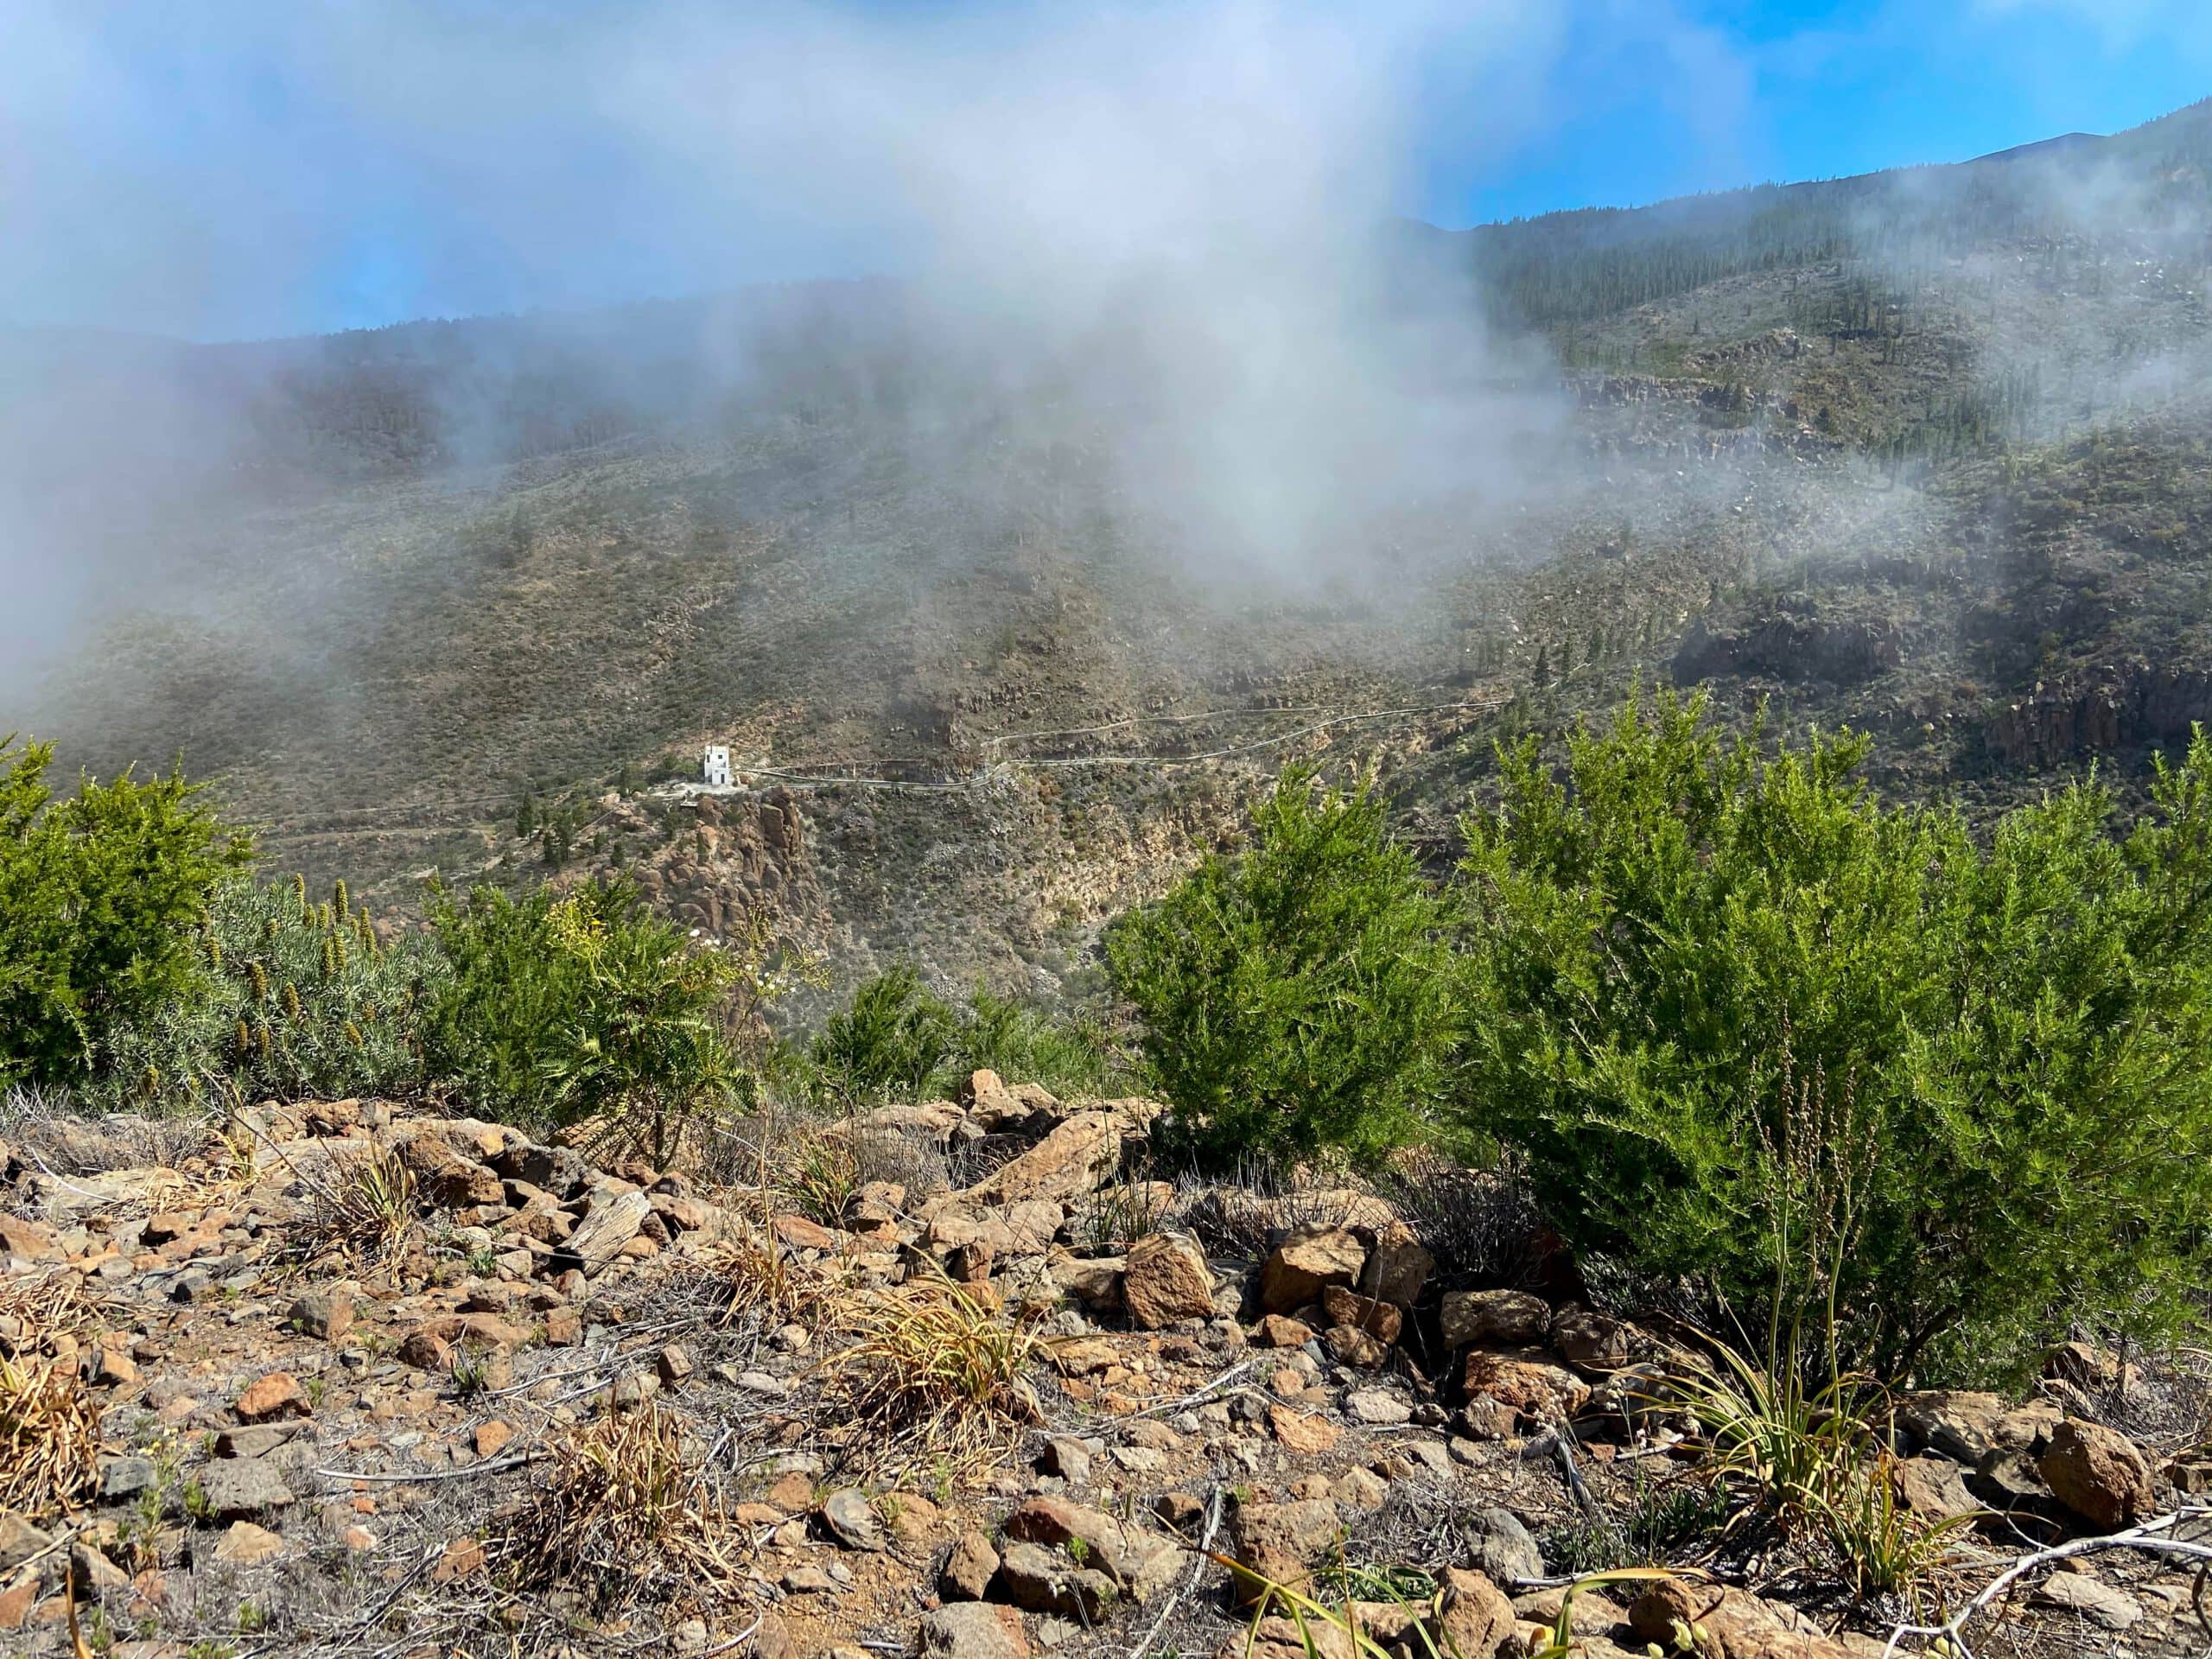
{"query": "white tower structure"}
(717, 766)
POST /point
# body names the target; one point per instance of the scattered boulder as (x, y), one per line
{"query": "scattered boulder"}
(1281, 1331)
(1165, 1279)
(1397, 1267)
(2098, 1473)
(969, 1568)
(1070, 1163)
(1510, 1317)
(1307, 1261)
(969, 1629)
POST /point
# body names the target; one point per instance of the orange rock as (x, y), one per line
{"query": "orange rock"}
(492, 1438)
(1302, 1431)
(279, 1394)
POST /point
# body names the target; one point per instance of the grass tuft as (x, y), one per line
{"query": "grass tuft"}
(49, 1438)
(935, 1366)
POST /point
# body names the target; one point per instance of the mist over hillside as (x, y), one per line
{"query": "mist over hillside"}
(1918, 450)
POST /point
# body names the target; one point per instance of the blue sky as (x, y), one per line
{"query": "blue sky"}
(234, 169)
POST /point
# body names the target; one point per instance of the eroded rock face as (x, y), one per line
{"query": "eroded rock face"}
(1073, 1161)
(2098, 1473)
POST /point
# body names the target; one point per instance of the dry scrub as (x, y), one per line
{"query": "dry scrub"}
(626, 1516)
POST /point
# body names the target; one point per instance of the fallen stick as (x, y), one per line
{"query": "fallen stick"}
(1198, 1567)
(1952, 1631)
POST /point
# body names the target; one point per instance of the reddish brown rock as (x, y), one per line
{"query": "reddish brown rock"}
(279, 1394)
(1307, 1432)
(1380, 1319)
(1526, 1381)
(1397, 1266)
(1307, 1263)
(2097, 1472)
(1281, 1331)
(1165, 1279)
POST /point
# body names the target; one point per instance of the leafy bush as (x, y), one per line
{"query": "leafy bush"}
(101, 896)
(297, 999)
(561, 1007)
(892, 1040)
(898, 1039)
(1755, 1029)
(1069, 1052)
(1299, 996)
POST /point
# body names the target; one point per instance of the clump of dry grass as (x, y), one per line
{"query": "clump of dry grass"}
(363, 1207)
(49, 1438)
(625, 1516)
(35, 1309)
(764, 1287)
(935, 1366)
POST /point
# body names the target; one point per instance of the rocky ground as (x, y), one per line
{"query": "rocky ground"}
(954, 1376)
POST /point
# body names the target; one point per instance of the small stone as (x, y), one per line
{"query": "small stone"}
(243, 1544)
(1307, 1432)
(276, 1395)
(970, 1629)
(852, 1521)
(492, 1438)
(674, 1366)
(1068, 1458)
(564, 1327)
(791, 1493)
(1377, 1407)
(969, 1569)
(809, 1582)
(326, 1315)
(1042, 1581)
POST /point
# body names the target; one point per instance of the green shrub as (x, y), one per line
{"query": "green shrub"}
(892, 1041)
(564, 1007)
(1070, 1053)
(1298, 997)
(298, 1000)
(101, 897)
(1756, 1030)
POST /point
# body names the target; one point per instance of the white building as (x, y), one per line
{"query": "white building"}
(717, 766)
